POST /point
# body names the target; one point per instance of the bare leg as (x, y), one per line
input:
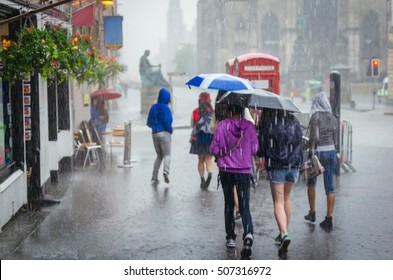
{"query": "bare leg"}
(287, 201)
(201, 165)
(331, 197)
(209, 163)
(279, 210)
(311, 198)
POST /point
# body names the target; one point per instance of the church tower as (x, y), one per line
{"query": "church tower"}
(176, 32)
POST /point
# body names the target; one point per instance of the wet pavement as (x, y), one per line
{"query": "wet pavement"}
(119, 215)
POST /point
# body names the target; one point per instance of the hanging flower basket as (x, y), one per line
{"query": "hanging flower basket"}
(52, 53)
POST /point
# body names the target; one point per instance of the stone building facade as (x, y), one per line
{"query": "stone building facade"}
(308, 36)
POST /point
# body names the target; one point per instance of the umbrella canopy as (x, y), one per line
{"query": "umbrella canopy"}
(220, 81)
(259, 99)
(106, 93)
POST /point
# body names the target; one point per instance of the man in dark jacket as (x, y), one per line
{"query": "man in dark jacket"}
(160, 121)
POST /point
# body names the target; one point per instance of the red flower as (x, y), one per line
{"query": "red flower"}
(87, 38)
(55, 63)
(29, 30)
(77, 35)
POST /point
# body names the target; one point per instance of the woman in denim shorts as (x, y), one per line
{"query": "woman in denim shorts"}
(280, 137)
(324, 143)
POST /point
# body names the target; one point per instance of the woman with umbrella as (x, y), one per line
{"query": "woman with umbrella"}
(234, 143)
(280, 139)
(99, 119)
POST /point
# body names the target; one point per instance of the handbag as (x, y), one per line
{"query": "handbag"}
(313, 167)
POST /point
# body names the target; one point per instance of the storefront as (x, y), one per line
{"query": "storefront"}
(35, 126)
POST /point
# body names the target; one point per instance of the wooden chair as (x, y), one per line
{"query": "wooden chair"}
(117, 139)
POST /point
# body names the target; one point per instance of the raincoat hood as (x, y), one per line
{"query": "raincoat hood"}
(160, 115)
(164, 96)
(320, 104)
(237, 126)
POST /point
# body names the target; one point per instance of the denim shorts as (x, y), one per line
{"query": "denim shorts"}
(283, 175)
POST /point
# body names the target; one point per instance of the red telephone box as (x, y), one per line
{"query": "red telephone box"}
(229, 66)
(261, 69)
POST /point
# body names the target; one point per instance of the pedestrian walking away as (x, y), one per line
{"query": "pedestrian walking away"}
(234, 144)
(280, 137)
(323, 143)
(202, 136)
(160, 121)
(220, 113)
(99, 119)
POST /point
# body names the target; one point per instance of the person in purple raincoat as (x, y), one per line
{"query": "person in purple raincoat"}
(234, 144)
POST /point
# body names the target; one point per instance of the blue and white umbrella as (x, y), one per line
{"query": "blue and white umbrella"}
(220, 81)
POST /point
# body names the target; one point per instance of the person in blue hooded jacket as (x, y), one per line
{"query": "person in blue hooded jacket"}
(160, 121)
(234, 144)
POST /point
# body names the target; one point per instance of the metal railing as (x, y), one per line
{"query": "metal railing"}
(346, 146)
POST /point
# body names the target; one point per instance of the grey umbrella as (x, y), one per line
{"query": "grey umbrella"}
(259, 99)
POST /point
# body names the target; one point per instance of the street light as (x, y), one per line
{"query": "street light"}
(107, 2)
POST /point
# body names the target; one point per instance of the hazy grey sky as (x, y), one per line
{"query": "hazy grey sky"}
(144, 27)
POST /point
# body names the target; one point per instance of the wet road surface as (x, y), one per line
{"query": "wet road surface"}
(120, 215)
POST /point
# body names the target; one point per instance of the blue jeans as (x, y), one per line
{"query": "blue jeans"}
(328, 160)
(242, 183)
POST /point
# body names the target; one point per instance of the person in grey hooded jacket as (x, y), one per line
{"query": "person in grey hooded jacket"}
(234, 144)
(324, 141)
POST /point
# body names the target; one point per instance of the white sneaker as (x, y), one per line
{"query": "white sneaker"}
(230, 243)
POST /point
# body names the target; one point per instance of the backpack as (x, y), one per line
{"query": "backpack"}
(202, 129)
(284, 146)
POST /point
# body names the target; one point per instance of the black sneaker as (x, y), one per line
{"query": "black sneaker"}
(166, 177)
(278, 238)
(209, 178)
(203, 183)
(327, 223)
(246, 251)
(310, 216)
(284, 245)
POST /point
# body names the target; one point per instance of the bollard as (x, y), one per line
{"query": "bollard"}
(127, 145)
(374, 95)
(335, 102)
